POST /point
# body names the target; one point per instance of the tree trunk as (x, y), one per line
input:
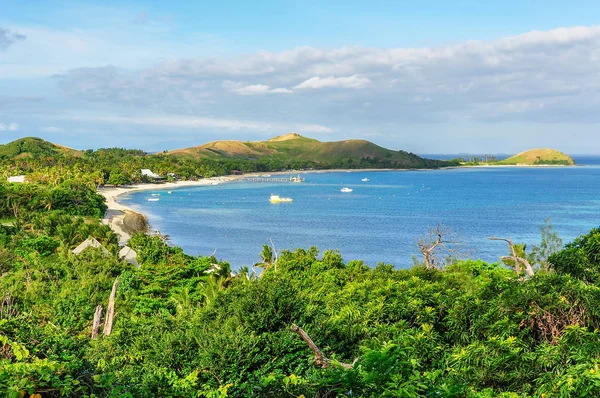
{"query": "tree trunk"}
(110, 311)
(97, 322)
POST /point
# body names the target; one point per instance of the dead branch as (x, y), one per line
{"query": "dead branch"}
(276, 256)
(97, 322)
(516, 259)
(110, 311)
(320, 359)
(439, 240)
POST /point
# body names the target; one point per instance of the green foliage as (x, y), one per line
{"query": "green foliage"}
(580, 258)
(186, 326)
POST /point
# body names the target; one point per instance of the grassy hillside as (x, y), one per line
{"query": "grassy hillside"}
(296, 147)
(540, 156)
(34, 147)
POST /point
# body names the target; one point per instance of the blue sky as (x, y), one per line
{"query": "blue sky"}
(425, 76)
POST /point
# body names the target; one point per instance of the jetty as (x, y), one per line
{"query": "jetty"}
(271, 179)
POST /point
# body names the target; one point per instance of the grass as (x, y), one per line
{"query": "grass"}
(539, 156)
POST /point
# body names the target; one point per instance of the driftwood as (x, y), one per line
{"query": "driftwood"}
(110, 311)
(320, 359)
(517, 260)
(97, 322)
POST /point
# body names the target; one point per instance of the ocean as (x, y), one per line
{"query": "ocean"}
(380, 220)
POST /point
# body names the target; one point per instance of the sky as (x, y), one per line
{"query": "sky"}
(424, 76)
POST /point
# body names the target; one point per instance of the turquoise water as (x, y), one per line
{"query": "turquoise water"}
(381, 220)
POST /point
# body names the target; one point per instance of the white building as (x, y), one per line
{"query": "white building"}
(149, 173)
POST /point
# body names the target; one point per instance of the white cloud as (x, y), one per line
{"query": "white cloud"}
(537, 77)
(252, 89)
(191, 122)
(50, 129)
(9, 127)
(355, 81)
(281, 90)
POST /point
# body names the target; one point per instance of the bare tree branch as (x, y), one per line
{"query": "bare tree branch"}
(440, 240)
(320, 359)
(515, 258)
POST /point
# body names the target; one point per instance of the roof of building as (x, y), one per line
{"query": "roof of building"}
(129, 255)
(90, 242)
(149, 173)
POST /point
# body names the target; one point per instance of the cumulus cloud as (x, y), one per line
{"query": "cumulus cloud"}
(339, 82)
(505, 79)
(9, 126)
(8, 38)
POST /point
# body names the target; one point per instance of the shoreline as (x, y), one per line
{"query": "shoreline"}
(116, 211)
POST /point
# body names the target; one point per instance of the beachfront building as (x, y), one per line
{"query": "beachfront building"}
(17, 179)
(129, 255)
(150, 174)
(90, 242)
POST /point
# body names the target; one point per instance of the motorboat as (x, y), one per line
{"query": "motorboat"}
(278, 199)
(365, 180)
(155, 194)
(346, 190)
(153, 199)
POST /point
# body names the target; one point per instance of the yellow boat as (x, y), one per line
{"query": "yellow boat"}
(278, 199)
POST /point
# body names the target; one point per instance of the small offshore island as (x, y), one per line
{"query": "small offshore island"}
(89, 309)
(532, 157)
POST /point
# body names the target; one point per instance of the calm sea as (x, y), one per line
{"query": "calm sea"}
(382, 219)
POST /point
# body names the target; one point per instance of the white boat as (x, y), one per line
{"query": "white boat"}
(155, 194)
(278, 199)
(153, 199)
(346, 190)
(296, 179)
(170, 192)
(365, 180)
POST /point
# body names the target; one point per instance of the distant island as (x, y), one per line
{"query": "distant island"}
(532, 157)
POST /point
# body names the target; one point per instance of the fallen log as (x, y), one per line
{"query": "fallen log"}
(110, 311)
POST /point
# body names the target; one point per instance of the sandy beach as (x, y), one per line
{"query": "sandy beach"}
(116, 211)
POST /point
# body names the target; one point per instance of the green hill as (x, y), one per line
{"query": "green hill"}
(296, 147)
(34, 147)
(540, 156)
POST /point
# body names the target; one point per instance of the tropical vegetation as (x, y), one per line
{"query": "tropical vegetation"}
(527, 325)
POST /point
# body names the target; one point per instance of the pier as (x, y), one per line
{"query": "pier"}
(268, 179)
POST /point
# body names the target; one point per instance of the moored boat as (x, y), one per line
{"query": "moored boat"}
(278, 199)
